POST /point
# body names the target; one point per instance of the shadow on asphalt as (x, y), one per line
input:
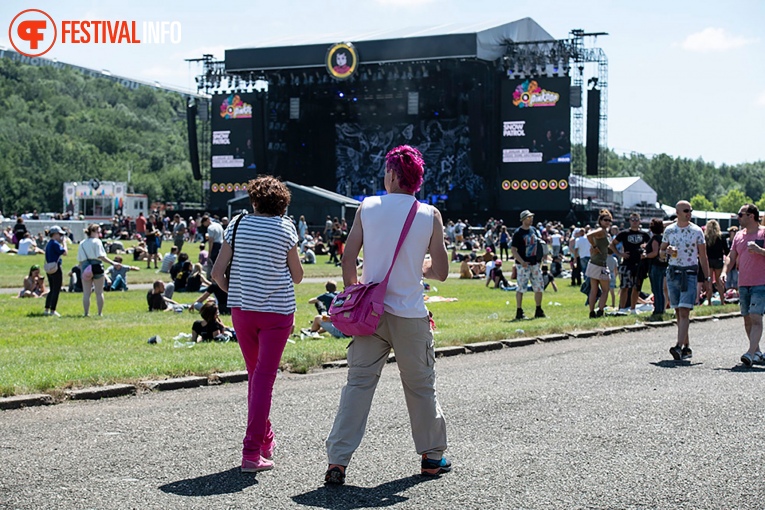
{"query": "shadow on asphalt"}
(742, 368)
(670, 363)
(226, 482)
(349, 497)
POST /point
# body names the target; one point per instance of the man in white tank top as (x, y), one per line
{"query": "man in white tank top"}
(404, 327)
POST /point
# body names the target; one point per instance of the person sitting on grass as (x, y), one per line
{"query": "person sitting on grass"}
(180, 272)
(324, 301)
(221, 299)
(196, 281)
(157, 300)
(497, 276)
(548, 278)
(140, 252)
(322, 323)
(210, 327)
(34, 284)
(27, 246)
(116, 275)
(169, 260)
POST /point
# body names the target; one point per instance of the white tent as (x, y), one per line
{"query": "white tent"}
(631, 191)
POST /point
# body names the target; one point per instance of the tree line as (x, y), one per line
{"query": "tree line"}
(59, 125)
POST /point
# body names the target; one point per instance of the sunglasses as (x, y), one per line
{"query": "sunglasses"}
(634, 219)
(607, 220)
(741, 214)
(687, 210)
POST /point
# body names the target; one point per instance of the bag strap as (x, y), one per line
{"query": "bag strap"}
(402, 237)
(233, 235)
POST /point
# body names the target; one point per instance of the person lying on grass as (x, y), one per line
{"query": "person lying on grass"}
(210, 327)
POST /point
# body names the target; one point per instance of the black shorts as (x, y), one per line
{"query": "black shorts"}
(716, 263)
(151, 247)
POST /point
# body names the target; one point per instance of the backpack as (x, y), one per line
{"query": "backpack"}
(541, 250)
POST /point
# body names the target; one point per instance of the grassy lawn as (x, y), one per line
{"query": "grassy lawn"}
(47, 354)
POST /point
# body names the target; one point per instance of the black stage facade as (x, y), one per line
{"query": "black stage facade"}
(495, 139)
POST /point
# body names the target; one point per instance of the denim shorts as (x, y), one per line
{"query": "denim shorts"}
(752, 300)
(332, 330)
(679, 298)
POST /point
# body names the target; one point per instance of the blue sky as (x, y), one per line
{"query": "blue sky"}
(686, 78)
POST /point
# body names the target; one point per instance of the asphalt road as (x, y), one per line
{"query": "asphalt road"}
(604, 422)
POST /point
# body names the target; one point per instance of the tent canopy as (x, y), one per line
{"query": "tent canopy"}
(484, 41)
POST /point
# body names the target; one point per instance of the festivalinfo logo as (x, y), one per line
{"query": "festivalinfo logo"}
(34, 32)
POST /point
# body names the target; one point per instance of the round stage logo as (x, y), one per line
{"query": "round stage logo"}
(553, 184)
(524, 185)
(505, 185)
(342, 60)
(534, 184)
(229, 187)
(516, 184)
(563, 184)
(214, 188)
(543, 184)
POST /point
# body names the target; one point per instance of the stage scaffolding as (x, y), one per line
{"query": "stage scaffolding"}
(570, 57)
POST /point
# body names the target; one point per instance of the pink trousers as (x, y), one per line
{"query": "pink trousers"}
(262, 337)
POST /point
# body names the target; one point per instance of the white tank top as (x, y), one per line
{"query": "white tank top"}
(383, 220)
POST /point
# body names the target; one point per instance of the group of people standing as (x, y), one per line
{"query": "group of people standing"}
(258, 266)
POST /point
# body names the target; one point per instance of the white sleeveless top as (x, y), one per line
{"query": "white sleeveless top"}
(383, 220)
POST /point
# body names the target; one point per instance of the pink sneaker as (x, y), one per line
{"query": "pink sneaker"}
(267, 451)
(253, 466)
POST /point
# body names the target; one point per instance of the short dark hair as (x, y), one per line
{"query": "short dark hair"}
(269, 195)
(204, 218)
(657, 226)
(331, 286)
(752, 209)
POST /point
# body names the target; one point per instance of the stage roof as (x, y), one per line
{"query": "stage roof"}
(481, 41)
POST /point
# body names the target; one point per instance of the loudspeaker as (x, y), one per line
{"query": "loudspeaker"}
(593, 131)
(191, 122)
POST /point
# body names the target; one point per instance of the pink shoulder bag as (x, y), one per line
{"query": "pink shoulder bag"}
(357, 310)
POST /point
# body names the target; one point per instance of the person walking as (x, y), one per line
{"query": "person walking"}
(717, 250)
(404, 325)
(524, 247)
(53, 252)
(748, 254)
(633, 241)
(262, 249)
(597, 268)
(179, 232)
(91, 257)
(684, 244)
(658, 270)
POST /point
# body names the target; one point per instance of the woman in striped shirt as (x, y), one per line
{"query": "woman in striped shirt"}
(265, 264)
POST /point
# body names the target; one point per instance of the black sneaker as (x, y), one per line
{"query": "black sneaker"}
(539, 313)
(519, 315)
(593, 314)
(335, 475)
(600, 312)
(676, 352)
(687, 352)
(430, 467)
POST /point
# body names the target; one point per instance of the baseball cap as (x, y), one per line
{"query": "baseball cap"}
(55, 229)
(525, 214)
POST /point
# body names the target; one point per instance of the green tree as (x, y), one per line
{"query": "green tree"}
(701, 203)
(761, 203)
(732, 201)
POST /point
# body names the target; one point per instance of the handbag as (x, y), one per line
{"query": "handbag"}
(233, 240)
(51, 267)
(357, 310)
(94, 269)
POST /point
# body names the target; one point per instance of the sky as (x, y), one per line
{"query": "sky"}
(686, 77)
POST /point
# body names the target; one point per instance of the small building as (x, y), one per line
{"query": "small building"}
(102, 200)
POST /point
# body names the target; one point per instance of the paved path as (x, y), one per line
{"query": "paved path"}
(604, 422)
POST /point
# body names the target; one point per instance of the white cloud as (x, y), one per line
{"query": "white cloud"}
(761, 99)
(715, 39)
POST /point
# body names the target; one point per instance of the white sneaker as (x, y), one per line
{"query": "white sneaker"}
(633, 311)
(624, 310)
(46, 313)
(55, 313)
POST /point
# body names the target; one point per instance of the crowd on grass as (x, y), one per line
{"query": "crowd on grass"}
(248, 268)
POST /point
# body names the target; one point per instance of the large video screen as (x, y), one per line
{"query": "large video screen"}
(232, 152)
(536, 144)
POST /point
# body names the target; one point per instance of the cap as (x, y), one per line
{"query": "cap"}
(498, 263)
(55, 229)
(34, 267)
(525, 214)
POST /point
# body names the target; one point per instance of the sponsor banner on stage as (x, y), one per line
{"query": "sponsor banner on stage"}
(535, 144)
(232, 151)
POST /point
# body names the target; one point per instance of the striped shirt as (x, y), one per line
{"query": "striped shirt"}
(260, 279)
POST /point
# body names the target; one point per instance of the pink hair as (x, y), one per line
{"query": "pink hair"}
(407, 162)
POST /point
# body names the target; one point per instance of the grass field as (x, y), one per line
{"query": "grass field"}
(47, 354)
